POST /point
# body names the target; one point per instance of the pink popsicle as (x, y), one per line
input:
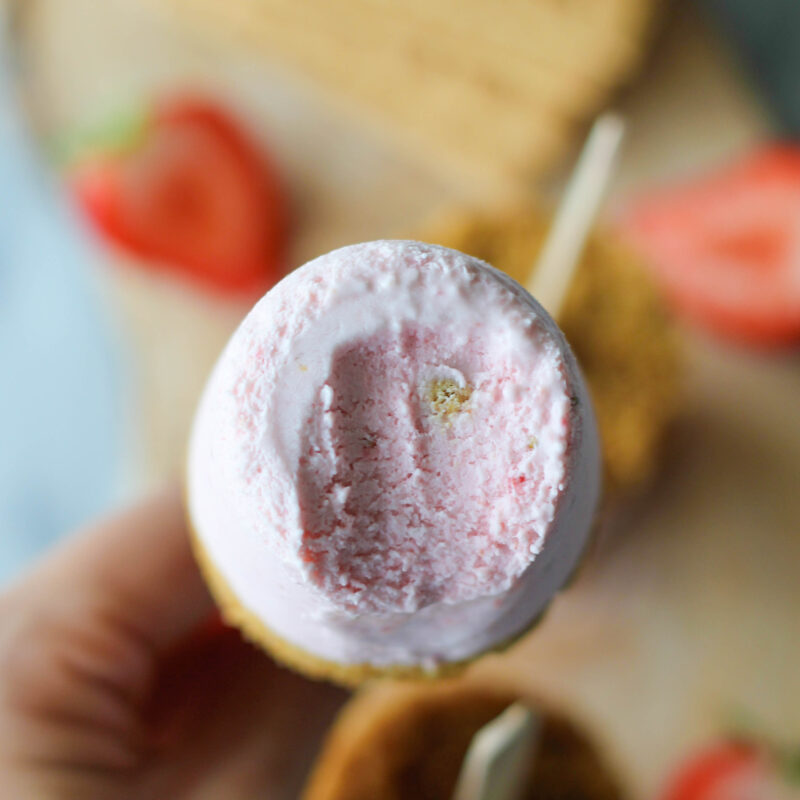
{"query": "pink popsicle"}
(395, 462)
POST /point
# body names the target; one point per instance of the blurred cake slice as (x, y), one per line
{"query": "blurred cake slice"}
(489, 92)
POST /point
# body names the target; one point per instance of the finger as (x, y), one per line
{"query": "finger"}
(256, 731)
(82, 635)
(135, 568)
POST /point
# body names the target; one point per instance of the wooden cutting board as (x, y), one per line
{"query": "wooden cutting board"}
(689, 610)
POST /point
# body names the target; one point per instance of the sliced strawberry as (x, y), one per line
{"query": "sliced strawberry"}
(726, 247)
(191, 195)
(735, 770)
(704, 774)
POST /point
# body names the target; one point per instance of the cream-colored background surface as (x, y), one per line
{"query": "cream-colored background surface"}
(689, 609)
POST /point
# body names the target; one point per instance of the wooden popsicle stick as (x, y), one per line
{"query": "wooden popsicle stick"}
(552, 275)
(499, 756)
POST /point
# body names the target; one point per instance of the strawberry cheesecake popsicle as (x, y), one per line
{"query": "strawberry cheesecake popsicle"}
(394, 465)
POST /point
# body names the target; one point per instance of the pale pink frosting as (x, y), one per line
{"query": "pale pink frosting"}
(361, 515)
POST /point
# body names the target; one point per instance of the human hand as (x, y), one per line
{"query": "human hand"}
(117, 682)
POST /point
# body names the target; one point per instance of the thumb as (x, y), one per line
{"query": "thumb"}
(81, 637)
(105, 605)
(136, 568)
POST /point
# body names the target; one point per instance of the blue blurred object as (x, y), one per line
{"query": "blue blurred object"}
(60, 399)
(766, 35)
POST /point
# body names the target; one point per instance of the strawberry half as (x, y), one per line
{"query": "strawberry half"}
(734, 770)
(190, 193)
(726, 247)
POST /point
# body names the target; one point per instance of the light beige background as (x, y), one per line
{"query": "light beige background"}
(689, 611)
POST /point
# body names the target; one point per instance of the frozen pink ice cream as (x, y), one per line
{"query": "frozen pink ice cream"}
(395, 461)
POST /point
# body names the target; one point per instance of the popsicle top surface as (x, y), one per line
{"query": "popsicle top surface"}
(395, 460)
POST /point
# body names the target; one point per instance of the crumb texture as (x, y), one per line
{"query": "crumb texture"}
(418, 483)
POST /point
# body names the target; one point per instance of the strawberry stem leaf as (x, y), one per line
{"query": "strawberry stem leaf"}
(113, 135)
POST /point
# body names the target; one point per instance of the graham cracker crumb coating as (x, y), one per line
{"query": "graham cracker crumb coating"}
(448, 398)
